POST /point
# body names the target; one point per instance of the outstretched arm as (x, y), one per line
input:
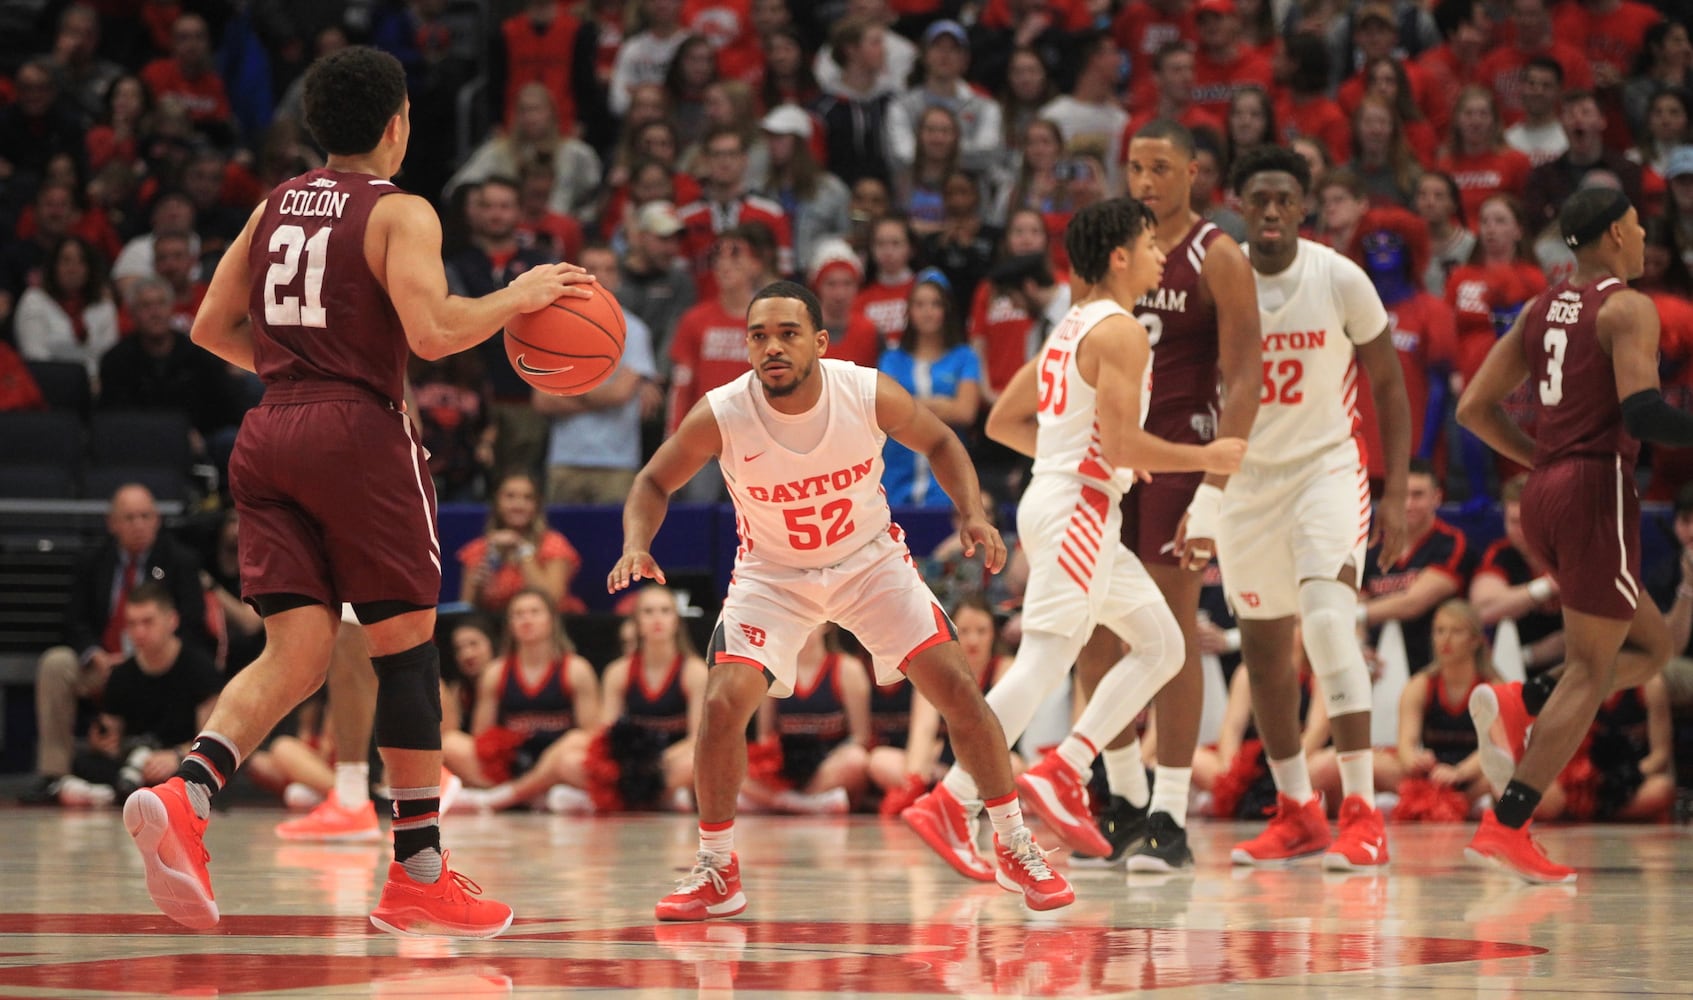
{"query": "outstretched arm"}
(681, 455)
(919, 429)
(1481, 408)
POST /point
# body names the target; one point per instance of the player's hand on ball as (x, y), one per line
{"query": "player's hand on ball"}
(635, 566)
(1223, 456)
(544, 285)
(975, 531)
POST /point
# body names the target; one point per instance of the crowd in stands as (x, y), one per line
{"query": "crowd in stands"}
(916, 163)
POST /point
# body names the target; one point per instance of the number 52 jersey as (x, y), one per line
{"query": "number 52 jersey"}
(1312, 315)
(814, 504)
(306, 262)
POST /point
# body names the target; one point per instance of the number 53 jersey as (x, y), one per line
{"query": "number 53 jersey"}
(307, 262)
(1312, 314)
(807, 487)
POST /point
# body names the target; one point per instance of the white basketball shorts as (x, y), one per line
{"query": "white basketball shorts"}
(1080, 572)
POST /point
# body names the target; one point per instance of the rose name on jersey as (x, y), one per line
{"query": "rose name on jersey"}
(1564, 309)
(810, 486)
(314, 204)
(1164, 300)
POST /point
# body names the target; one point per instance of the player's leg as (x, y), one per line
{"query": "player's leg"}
(1299, 828)
(1122, 818)
(168, 821)
(1179, 705)
(347, 812)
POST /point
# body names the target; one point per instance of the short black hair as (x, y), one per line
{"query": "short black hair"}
(1311, 62)
(152, 592)
(1267, 160)
(1423, 467)
(1101, 228)
(791, 290)
(1450, 15)
(501, 180)
(350, 96)
(1171, 131)
(1548, 64)
(1589, 214)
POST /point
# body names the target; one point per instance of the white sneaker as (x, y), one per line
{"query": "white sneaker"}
(73, 791)
(567, 801)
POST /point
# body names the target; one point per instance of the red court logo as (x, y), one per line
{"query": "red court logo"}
(754, 634)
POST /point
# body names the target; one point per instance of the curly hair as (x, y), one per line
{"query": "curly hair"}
(1267, 160)
(1101, 228)
(350, 96)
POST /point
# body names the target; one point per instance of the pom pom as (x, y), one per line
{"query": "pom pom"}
(1422, 801)
(764, 763)
(1232, 785)
(625, 767)
(496, 749)
(897, 799)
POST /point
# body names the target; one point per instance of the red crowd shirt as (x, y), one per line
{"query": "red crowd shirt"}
(999, 330)
(1316, 118)
(1672, 468)
(1425, 335)
(1613, 39)
(1443, 77)
(1482, 175)
(1140, 30)
(1502, 72)
(1214, 83)
(203, 96)
(1476, 293)
(708, 350)
(860, 343)
(884, 306)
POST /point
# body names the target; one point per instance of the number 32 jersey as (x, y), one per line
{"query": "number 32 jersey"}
(318, 312)
(812, 508)
(1571, 379)
(1312, 315)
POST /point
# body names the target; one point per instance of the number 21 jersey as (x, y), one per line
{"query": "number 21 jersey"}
(807, 508)
(1312, 315)
(319, 314)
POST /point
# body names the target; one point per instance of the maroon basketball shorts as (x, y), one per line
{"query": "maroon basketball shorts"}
(1152, 512)
(336, 502)
(1582, 517)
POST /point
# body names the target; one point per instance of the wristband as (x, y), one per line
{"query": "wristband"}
(1540, 588)
(1528, 658)
(1231, 639)
(1363, 613)
(1202, 511)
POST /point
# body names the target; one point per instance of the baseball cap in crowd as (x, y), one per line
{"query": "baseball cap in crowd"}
(1376, 12)
(1680, 163)
(658, 218)
(834, 252)
(1213, 7)
(949, 28)
(787, 119)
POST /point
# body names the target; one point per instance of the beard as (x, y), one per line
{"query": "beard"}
(799, 379)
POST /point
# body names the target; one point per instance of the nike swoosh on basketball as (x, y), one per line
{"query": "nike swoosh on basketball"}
(529, 369)
(751, 457)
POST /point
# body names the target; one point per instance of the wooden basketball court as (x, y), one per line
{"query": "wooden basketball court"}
(840, 907)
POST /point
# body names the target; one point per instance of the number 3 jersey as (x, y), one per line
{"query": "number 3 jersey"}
(1067, 418)
(1312, 314)
(1571, 380)
(807, 487)
(306, 261)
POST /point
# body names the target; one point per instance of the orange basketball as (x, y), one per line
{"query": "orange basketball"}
(570, 346)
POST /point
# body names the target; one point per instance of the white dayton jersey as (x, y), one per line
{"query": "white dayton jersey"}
(817, 541)
(1067, 442)
(1312, 314)
(1070, 519)
(817, 498)
(1299, 509)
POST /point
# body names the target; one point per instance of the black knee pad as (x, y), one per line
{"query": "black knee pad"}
(408, 699)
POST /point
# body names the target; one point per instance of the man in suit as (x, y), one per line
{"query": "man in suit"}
(135, 552)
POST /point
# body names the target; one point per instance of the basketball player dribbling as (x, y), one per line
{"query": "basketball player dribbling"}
(1078, 410)
(1202, 320)
(336, 277)
(1295, 520)
(799, 441)
(1590, 346)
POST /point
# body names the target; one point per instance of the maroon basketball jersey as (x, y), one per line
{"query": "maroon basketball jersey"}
(319, 314)
(1181, 322)
(1570, 376)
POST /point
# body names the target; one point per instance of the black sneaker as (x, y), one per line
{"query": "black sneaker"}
(43, 791)
(1123, 825)
(1165, 848)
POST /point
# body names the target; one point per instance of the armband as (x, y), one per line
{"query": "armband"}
(1648, 418)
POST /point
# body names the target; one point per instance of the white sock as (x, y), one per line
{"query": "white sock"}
(1126, 774)
(1357, 774)
(1006, 815)
(1292, 778)
(1169, 792)
(352, 784)
(718, 838)
(1042, 664)
(1078, 752)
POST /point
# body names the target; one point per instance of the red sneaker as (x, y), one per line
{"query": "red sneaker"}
(173, 850)
(944, 825)
(1363, 837)
(1295, 831)
(1501, 748)
(1057, 794)
(444, 908)
(1515, 852)
(712, 889)
(331, 821)
(1023, 868)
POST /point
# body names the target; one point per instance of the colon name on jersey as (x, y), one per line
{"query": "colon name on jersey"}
(813, 508)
